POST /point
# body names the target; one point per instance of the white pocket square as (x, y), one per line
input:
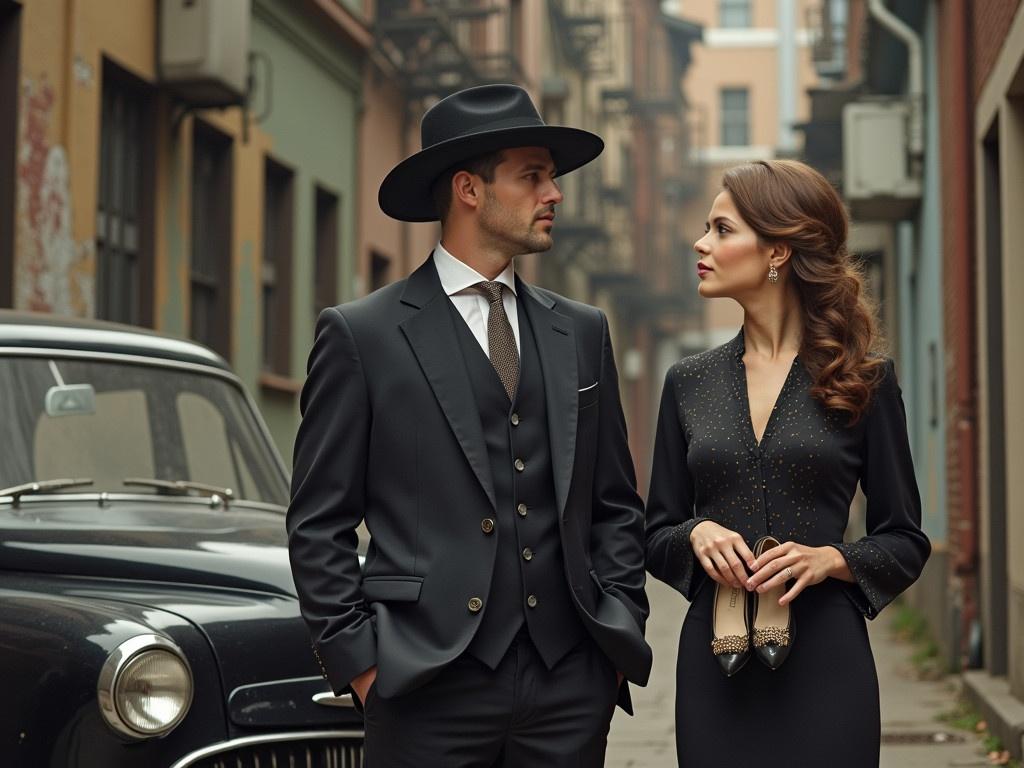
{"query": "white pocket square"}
(586, 388)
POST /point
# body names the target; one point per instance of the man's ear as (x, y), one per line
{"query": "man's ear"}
(467, 189)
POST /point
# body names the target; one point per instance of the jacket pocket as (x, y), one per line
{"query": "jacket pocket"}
(589, 396)
(380, 589)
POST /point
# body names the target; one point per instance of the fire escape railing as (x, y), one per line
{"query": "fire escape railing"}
(440, 46)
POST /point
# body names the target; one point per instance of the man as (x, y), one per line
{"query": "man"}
(473, 421)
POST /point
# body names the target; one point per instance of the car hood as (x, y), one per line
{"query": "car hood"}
(159, 541)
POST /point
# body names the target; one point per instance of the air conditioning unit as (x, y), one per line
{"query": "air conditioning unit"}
(880, 180)
(204, 50)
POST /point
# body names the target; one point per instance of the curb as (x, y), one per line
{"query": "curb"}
(1003, 712)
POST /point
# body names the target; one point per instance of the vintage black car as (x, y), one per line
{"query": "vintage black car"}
(147, 611)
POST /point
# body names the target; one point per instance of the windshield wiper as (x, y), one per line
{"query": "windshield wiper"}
(17, 491)
(182, 487)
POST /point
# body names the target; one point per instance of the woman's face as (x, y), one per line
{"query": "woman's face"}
(732, 260)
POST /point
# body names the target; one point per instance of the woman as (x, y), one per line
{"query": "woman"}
(768, 436)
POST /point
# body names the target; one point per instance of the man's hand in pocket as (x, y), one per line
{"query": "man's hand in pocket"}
(361, 685)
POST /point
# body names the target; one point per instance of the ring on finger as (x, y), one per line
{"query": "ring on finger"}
(789, 573)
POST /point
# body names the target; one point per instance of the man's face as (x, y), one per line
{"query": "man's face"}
(518, 211)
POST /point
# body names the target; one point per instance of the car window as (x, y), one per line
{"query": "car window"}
(110, 420)
(210, 456)
(108, 445)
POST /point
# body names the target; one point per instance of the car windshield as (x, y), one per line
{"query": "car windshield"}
(112, 421)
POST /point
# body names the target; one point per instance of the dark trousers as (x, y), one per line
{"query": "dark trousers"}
(516, 716)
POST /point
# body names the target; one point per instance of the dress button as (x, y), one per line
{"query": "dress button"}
(521, 509)
(520, 465)
(514, 418)
(487, 525)
(532, 601)
(475, 604)
(527, 554)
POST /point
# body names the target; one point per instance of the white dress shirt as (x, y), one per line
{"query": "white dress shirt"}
(458, 279)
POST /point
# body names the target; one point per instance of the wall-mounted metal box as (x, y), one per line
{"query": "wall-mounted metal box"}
(204, 50)
(879, 177)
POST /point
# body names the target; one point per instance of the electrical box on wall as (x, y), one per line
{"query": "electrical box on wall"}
(879, 179)
(204, 50)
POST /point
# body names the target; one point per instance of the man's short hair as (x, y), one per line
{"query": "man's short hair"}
(483, 166)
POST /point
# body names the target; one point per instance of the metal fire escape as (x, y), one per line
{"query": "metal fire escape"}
(581, 39)
(581, 28)
(437, 47)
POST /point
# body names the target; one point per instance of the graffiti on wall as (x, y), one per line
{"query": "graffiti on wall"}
(53, 272)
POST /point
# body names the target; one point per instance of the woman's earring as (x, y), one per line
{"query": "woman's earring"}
(773, 274)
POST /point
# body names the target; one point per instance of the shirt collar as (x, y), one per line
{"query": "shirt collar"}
(457, 276)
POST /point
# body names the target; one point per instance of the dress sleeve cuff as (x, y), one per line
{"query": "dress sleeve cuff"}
(685, 578)
(867, 564)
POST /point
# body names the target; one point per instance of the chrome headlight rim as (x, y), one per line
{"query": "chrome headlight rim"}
(110, 674)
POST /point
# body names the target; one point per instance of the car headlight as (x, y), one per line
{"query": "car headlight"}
(145, 687)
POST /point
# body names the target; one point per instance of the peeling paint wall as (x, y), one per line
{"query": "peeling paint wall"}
(53, 272)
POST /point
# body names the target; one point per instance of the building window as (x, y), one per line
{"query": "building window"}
(515, 29)
(124, 274)
(734, 13)
(210, 274)
(278, 208)
(10, 37)
(325, 274)
(735, 117)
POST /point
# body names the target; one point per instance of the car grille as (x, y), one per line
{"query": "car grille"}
(319, 753)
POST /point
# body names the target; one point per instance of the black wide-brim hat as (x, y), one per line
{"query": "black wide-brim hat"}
(470, 123)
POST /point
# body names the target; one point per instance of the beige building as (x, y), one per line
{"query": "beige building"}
(747, 88)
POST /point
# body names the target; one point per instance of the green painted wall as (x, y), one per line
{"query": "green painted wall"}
(314, 94)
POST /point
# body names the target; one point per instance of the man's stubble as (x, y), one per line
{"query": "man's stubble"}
(505, 233)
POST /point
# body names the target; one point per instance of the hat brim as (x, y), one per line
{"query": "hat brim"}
(405, 194)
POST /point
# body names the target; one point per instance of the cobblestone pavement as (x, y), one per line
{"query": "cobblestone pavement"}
(909, 706)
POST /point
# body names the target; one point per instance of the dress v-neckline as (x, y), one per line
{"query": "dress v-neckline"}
(758, 443)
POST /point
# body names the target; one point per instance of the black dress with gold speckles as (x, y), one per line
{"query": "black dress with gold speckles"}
(821, 706)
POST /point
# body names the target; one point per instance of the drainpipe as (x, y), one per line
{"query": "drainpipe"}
(915, 85)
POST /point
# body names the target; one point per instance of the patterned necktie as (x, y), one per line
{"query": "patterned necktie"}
(500, 339)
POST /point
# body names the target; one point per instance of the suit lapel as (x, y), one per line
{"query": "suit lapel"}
(432, 337)
(555, 336)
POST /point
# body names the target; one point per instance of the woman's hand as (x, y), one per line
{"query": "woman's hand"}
(806, 565)
(722, 553)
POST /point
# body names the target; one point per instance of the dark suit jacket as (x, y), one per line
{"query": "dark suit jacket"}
(390, 434)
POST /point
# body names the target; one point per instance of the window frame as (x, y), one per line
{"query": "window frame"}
(215, 206)
(326, 239)
(125, 201)
(725, 126)
(10, 57)
(277, 266)
(741, 8)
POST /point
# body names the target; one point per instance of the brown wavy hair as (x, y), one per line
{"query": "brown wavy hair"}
(788, 202)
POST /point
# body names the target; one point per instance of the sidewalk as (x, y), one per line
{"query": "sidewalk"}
(909, 706)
